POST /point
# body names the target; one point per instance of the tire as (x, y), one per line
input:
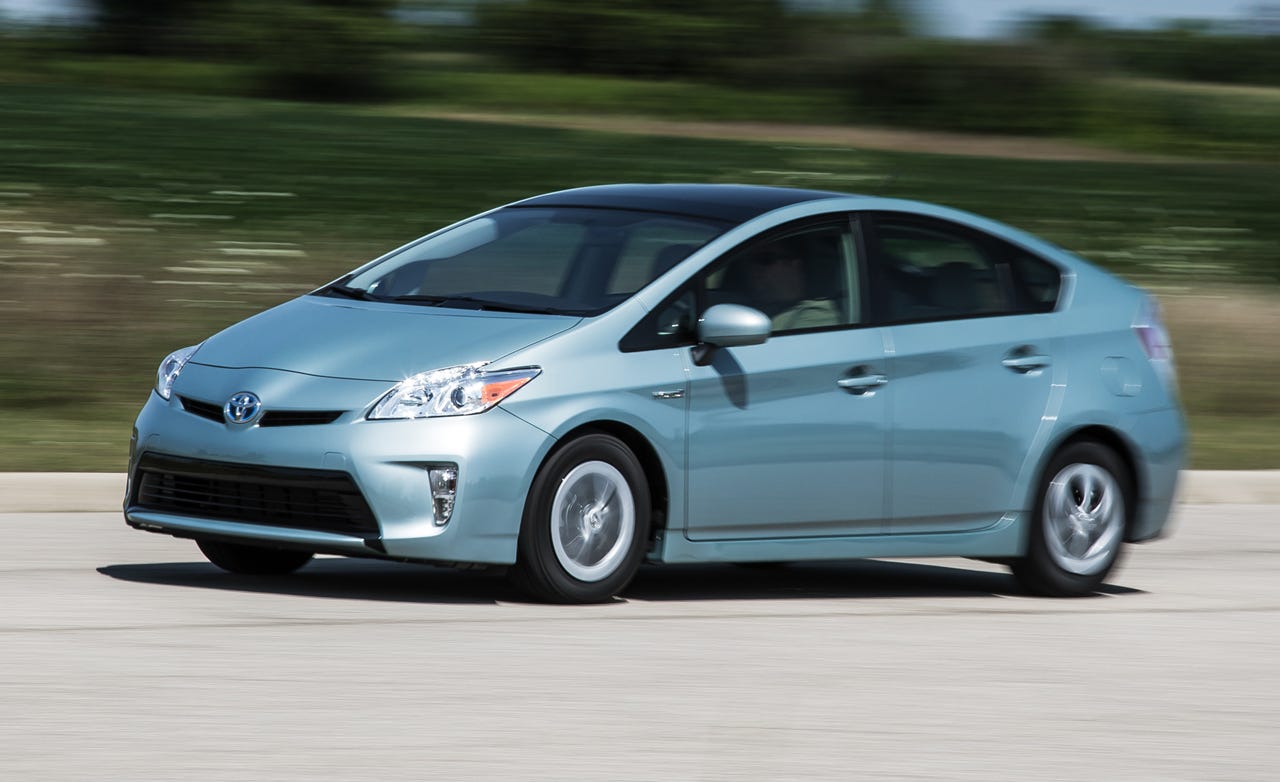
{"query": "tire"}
(1082, 510)
(253, 560)
(586, 523)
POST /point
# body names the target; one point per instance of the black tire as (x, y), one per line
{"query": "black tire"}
(253, 560)
(1042, 571)
(543, 559)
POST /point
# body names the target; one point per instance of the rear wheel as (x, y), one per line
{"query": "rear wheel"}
(586, 523)
(253, 560)
(1078, 524)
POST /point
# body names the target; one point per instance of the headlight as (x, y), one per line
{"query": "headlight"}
(170, 368)
(454, 391)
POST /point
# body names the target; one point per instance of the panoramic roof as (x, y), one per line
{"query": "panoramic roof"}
(733, 203)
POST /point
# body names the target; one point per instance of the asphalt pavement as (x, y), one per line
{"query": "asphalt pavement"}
(123, 655)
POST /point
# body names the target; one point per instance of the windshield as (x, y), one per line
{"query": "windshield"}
(571, 261)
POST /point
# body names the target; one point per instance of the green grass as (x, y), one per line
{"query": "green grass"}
(132, 223)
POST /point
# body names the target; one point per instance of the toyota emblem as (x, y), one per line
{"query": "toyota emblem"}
(242, 408)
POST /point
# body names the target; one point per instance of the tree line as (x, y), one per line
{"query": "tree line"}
(876, 56)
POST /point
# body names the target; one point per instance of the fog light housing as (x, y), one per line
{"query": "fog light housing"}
(444, 489)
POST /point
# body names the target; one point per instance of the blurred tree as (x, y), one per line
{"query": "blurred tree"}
(1197, 51)
(887, 18)
(979, 87)
(658, 38)
(146, 27)
(311, 49)
(1060, 28)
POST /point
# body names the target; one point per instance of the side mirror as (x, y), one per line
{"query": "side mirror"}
(730, 326)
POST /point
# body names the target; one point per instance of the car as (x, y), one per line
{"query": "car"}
(575, 384)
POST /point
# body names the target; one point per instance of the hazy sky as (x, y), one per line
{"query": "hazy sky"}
(985, 17)
(952, 17)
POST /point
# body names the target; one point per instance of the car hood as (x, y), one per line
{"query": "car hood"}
(372, 341)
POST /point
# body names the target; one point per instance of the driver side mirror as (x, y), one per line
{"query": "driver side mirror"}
(729, 326)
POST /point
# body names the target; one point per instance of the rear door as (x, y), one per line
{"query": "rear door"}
(970, 367)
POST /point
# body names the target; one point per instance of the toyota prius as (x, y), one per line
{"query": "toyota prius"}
(574, 384)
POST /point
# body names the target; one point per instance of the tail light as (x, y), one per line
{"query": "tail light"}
(1154, 339)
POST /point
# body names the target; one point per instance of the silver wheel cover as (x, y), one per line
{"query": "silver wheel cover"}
(1083, 518)
(593, 521)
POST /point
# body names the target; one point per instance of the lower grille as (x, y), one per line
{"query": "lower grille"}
(322, 500)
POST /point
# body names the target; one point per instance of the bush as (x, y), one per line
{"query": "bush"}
(996, 88)
(309, 49)
(653, 38)
(313, 49)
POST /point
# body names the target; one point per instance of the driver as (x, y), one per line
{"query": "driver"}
(777, 283)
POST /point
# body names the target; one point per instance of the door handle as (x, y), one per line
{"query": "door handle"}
(1025, 364)
(862, 383)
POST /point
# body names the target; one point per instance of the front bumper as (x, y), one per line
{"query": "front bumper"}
(496, 454)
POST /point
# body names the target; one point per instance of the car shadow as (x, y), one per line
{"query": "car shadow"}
(347, 579)
(864, 578)
(356, 579)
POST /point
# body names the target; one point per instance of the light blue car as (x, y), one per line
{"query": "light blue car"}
(579, 382)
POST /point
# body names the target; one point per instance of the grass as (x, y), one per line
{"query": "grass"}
(132, 223)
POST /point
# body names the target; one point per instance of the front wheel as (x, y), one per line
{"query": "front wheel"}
(586, 523)
(1078, 524)
(253, 560)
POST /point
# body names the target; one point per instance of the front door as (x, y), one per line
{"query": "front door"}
(778, 449)
(787, 439)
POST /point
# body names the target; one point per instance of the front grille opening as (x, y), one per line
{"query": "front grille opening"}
(322, 500)
(298, 417)
(202, 409)
(270, 418)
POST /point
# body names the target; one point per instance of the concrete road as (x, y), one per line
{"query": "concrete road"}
(123, 656)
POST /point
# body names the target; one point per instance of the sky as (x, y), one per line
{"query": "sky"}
(978, 18)
(964, 18)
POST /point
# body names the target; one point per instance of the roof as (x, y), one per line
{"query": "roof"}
(732, 203)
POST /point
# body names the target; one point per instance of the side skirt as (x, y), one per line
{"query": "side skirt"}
(1005, 538)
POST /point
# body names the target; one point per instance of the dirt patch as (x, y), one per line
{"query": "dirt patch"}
(886, 139)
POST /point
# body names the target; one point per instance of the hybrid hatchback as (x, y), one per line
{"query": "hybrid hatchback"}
(574, 384)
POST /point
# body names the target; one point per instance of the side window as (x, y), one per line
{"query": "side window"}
(805, 279)
(933, 271)
(1039, 281)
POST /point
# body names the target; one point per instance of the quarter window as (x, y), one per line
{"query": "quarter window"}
(1040, 281)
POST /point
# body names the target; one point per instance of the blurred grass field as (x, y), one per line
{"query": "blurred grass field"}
(132, 223)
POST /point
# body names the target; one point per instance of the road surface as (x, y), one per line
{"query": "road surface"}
(123, 655)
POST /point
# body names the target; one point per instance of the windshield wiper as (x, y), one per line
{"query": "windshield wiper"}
(351, 293)
(477, 303)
